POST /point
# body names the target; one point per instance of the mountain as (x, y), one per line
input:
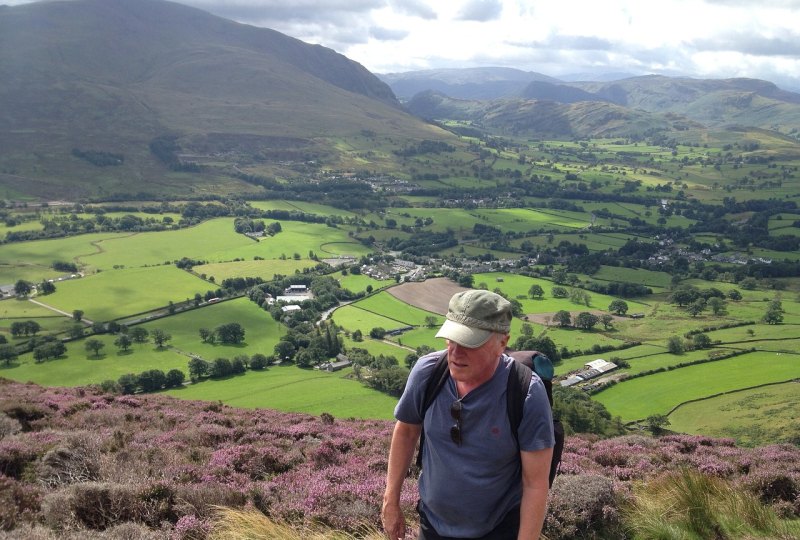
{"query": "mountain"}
(537, 118)
(468, 83)
(712, 103)
(108, 77)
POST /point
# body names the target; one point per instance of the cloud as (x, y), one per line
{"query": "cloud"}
(415, 8)
(788, 45)
(280, 11)
(480, 10)
(580, 43)
(387, 34)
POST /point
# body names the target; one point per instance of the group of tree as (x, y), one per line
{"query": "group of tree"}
(308, 345)
(224, 367)
(151, 380)
(679, 345)
(25, 328)
(229, 334)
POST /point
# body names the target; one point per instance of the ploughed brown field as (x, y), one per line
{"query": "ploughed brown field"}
(431, 295)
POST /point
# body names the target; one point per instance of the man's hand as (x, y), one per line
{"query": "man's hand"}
(394, 523)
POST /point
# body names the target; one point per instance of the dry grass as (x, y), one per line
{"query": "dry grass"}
(233, 524)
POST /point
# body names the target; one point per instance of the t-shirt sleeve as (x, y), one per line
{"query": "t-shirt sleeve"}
(536, 430)
(409, 408)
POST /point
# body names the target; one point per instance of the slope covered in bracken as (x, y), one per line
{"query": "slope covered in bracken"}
(78, 463)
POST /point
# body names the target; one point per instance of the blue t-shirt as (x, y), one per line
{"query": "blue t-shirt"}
(467, 490)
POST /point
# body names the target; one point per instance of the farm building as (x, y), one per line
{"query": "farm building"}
(342, 361)
(289, 309)
(296, 289)
(293, 299)
(592, 369)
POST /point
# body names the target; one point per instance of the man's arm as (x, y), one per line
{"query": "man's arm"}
(535, 484)
(401, 452)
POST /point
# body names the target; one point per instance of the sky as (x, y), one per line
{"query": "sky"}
(560, 38)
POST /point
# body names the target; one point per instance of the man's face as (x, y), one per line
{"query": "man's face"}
(475, 365)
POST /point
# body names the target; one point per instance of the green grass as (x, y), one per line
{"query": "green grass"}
(659, 393)
(388, 306)
(359, 282)
(79, 367)
(288, 388)
(265, 269)
(262, 332)
(116, 293)
(760, 416)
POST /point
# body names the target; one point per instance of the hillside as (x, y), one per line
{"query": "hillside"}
(95, 465)
(545, 118)
(108, 77)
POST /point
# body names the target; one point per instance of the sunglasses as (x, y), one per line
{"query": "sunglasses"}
(455, 431)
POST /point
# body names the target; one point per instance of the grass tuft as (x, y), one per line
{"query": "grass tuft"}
(231, 524)
(689, 505)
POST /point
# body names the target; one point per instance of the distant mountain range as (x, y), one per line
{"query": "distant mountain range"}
(528, 102)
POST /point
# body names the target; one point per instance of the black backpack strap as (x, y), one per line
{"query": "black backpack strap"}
(436, 381)
(519, 380)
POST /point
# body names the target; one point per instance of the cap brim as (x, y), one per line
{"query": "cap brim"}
(465, 336)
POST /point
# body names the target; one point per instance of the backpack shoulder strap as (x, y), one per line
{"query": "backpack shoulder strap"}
(436, 381)
(519, 381)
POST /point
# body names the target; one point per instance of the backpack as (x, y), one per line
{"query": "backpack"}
(519, 381)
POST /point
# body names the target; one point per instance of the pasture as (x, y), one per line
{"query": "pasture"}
(659, 393)
(265, 269)
(752, 417)
(114, 294)
(288, 388)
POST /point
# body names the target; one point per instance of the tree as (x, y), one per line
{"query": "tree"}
(618, 307)
(205, 334)
(151, 380)
(701, 341)
(748, 284)
(174, 378)
(563, 318)
(230, 333)
(123, 342)
(160, 337)
(734, 295)
(220, 367)
(536, 291)
(675, 345)
(696, 307)
(656, 423)
(717, 305)
(607, 320)
(527, 330)
(377, 333)
(774, 313)
(77, 314)
(357, 335)
(586, 320)
(285, 350)
(94, 345)
(198, 368)
(46, 287)
(258, 361)
(139, 334)
(430, 321)
(22, 288)
(8, 353)
(128, 383)
(559, 292)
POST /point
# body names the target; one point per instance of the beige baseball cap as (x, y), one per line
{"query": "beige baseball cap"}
(472, 317)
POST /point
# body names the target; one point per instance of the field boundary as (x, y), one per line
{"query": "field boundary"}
(718, 394)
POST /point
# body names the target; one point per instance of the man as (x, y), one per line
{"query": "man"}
(476, 482)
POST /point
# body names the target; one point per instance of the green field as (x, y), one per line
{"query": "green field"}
(80, 367)
(265, 269)
(768, 413)
(659, 393)
(116, 293)
(288, 388)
